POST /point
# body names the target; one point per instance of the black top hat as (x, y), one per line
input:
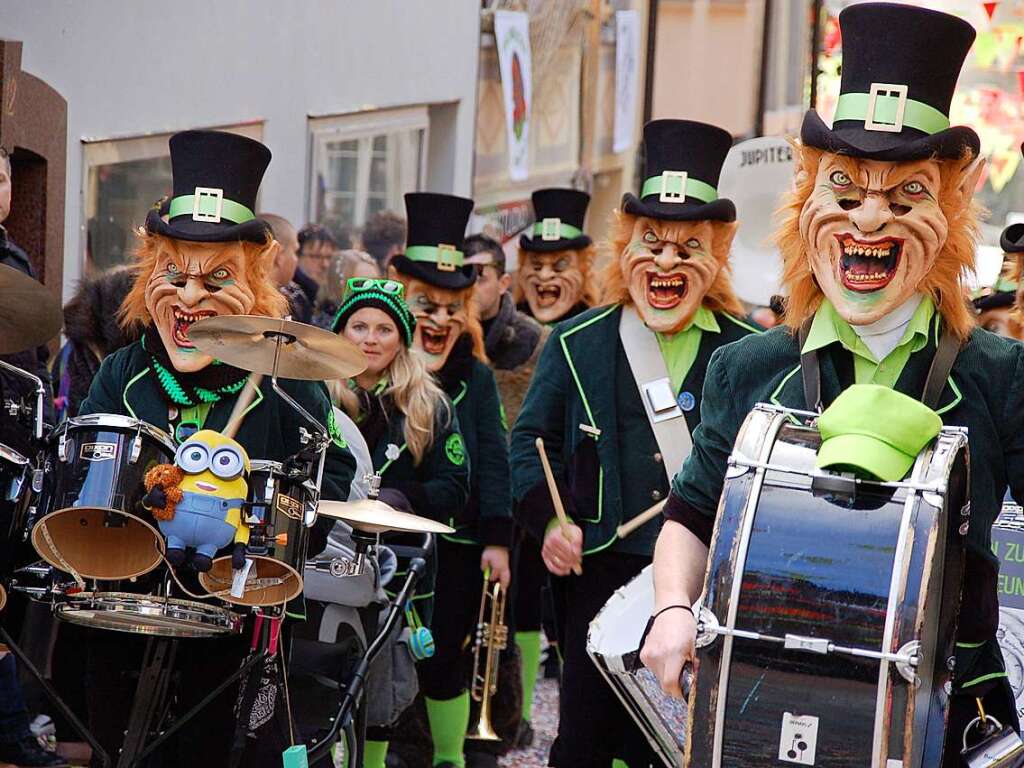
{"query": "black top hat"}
(436, 228)
(216, 178)
(900, 67)
(683, 160)
(558, 226)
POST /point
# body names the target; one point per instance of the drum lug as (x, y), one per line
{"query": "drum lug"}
(708, 628)
(37, 480)
(907, 665)
(136, 450)
(62, 447)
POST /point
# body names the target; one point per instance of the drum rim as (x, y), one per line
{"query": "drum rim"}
(9, 454)
(216, 620)
(161, 544)
(117, 421)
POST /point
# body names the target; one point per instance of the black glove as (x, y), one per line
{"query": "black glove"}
(155, 498)
(238, 556)
(395, 499)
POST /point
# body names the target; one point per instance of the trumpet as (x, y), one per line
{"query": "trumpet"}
(491, 640)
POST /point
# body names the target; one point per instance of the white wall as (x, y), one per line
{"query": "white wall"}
(132, 67)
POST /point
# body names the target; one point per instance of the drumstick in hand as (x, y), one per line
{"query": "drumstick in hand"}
(556, 499)
(644, 517)
(245, 398)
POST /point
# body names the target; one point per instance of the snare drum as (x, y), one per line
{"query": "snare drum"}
(830, 609)
(283, 509)
(147, 615)
(93, 475)
(613, 643)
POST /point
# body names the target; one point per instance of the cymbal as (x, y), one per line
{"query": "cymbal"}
(29, 314)
(374, 516)
(249, 342)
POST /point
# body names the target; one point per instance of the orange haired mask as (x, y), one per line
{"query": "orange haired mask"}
(181, 282)
(554, 282)
(442, 316)
(874, 233)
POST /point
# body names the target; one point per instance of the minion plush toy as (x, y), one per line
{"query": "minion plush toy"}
(198, 501)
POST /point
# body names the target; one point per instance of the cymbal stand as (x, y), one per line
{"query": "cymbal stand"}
(40, 392)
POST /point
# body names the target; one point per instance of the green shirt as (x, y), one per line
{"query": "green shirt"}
(680, 349)
(828, 327)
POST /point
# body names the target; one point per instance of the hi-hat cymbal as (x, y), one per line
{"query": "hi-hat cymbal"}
(374, 516)
(29, 314)
(250, 341)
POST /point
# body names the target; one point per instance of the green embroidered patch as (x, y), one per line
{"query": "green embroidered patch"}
(334, 431)
(455, 449)
(503, 415)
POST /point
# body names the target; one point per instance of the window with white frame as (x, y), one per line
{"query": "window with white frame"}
(122, 178)
(363, 163)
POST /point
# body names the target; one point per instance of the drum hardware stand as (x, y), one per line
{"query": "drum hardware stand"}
(906, 659)
(343, 567)
(354, 686)
(40, 395)
(98, 752)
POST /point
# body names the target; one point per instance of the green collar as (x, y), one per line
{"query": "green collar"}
(680, 349)
(828, 327)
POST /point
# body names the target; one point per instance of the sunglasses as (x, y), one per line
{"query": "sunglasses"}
(390, 287)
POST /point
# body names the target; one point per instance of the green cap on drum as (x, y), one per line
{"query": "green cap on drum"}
(875, 430)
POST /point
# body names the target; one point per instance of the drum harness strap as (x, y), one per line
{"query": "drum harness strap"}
(942, 363)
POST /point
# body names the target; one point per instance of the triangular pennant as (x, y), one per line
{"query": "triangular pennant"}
(990, 9)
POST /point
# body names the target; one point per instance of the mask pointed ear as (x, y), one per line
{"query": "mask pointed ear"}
(723, 234)
(970, 175)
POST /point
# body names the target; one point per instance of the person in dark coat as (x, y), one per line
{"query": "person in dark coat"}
(201, 255)
(93, 331)
(592, 401)
(440, 290)
(874, 237)
(410, 426)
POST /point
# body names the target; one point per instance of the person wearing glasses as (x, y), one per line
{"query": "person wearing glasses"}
(410, 426)
(317, 246)
(440, 287)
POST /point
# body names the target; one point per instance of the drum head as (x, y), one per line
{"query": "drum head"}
(83, 538)
(274, 582)
(145, 615)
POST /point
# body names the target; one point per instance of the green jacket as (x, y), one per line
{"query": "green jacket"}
(577, 384)
(487, 517)
(439, 486)
(983, 393)
(126, 384)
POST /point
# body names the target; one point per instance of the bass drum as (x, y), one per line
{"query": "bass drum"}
(613, 643)
(15, 510)
(282, 508)
(830, 606)
(93, 523)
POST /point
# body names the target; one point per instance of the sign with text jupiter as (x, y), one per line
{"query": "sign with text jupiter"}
(512, 35)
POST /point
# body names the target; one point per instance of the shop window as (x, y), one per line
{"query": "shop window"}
(364, 163)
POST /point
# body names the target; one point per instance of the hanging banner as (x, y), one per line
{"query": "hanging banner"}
(627, 47)
(512, 35)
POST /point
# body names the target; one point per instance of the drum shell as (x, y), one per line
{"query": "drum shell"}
(17, 512)
(787, 561)
(93, 472)
(278, 541)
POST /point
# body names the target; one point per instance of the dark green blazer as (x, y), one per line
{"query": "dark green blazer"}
(487, 517)
(439, 486)
(574, 386)
(984, 392)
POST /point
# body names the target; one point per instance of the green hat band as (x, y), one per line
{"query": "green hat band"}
(556, 229)
(385, 301)
(676, 187)
(890, 113)
(209, 205)
(447, 257)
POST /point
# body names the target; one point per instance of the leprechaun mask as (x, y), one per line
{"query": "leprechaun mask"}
(552, 283)
(180, 282)
(669, 266)
(442, 314)
(874, 231)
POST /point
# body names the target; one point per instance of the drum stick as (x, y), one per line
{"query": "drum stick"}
(245, 398)
(556, 499)
(643, 518)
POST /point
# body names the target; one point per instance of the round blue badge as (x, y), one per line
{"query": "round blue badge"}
(686, 401)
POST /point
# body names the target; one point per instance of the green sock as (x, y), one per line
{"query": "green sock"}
(449, 720)
(529, 651)
(616, 763)
(374, 753)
